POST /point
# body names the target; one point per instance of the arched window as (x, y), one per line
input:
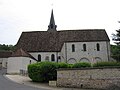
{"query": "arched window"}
(39, 58)
(30, 61)
(73, 48)
(52, 57)
(98, 46)
(84, 47)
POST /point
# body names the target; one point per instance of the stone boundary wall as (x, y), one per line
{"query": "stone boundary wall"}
(94, 78)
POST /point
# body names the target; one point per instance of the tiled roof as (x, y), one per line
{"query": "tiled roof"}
(45, 41)
(21, 53)
(5, 54)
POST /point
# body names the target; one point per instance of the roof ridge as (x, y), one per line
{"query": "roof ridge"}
(63, 30)
(81, 30)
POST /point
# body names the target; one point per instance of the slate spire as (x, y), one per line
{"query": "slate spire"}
(52, 25)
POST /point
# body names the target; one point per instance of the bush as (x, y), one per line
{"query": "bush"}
(81, 64)
(63, 65)
(104, 64)
(70, 65)
(43, 71)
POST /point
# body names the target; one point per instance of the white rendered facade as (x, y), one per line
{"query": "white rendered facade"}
(3, 62)
(15, 64)
(91, 54)
(46, 56)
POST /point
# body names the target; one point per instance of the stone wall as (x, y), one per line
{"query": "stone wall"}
(96, 78)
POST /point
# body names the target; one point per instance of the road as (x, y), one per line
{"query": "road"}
(6, 84)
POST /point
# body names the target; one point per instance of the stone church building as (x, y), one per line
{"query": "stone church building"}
(70, 46)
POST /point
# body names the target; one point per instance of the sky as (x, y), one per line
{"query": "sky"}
(17, 16)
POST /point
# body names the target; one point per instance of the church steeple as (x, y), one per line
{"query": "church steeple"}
(52, 25)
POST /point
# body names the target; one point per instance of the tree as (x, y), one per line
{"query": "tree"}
(115, 49)
(116, 37)
(115, 52)
(4, 47)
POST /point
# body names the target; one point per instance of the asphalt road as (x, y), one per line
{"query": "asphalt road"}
(6, 84)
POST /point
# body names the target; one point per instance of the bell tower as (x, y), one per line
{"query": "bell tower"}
(52, 25)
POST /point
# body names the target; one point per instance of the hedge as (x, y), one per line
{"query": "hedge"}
(106, 64)
(81, 64)
(63, 65)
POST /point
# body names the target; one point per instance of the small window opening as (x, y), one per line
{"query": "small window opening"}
(39, 58)
(98, 46)
(52, 57)
(73, 48)
(84, 47)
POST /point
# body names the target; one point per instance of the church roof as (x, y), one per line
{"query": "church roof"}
(44, 41)
(21, 53)
(5, 54)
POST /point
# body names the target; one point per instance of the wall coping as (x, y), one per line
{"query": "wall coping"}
(88, 68)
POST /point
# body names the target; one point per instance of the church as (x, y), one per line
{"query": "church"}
(69, 46)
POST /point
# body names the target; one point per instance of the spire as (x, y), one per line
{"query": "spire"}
(52, 25)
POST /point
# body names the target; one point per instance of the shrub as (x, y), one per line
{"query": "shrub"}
(70, 65)
(43, 71)
(81, 64)
(63, 65)
(104, 64)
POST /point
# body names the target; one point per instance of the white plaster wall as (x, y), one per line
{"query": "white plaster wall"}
(63, 53)
(26, 62)
(66, 54)
(91, 54)
(44, 55)
(3, 62)
(15, 64)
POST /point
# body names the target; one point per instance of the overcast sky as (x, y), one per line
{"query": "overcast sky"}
(17, 16)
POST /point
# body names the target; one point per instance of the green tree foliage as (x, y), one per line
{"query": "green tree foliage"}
(115, 52)
(116, 37)
(106, 64)
(4, 47)
(63, 65)
(43, 71)
(81, 65)
(115, 49)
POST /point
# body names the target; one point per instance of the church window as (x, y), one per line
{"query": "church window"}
(84, 47)
(98, 46)
(30, 61)
(39, 58)
(73, 48)
(52, 57)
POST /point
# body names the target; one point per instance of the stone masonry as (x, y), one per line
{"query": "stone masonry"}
(96, 78)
